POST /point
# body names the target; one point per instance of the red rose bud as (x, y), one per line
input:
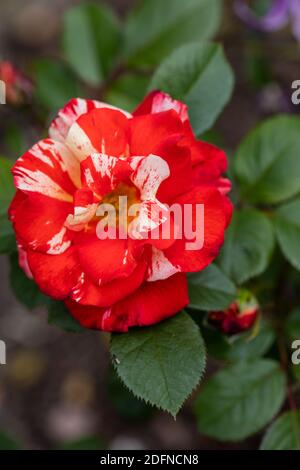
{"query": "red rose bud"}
(18, 87)
(239, 317)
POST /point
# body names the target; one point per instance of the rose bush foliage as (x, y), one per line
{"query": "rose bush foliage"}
(150, 93)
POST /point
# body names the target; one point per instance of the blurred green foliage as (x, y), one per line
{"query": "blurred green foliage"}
(168, 45)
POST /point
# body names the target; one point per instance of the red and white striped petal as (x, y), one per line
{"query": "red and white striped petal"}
(149, 173)
(84, 210)
(56, 276)
(164, 102)
(99, 131)
(208, 160)
(157, 102)
(59, 243)
(160, 267)
(68, 115)
(178, 157)
(105, 260)
(39, 222)
(148, 131)
(102, 173)
(87, 293)
(209, 230)
(48, 168)
(147, 224)
(149, 304)
(81, 217)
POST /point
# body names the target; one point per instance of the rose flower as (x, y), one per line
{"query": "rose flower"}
(94, 155)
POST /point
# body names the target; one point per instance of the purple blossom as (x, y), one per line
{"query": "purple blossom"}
(279, 14)
(295, 17)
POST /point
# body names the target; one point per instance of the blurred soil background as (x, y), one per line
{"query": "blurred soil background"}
(58, 389)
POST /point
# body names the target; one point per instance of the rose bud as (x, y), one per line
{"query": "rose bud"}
(239, 317)
(18, 87)
(113, 276)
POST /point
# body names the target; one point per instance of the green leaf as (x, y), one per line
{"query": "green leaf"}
(287, 228)
(7, 190)
(127, 91)
(25, 289)
(59, 316)
(292, 325)
(7, 237)
(161, 364)
(125, 403)
(7, 443)
(242, 347)
(203, 80)
(249, 243)
(15, 140)
(91, 38)
(284, 433)
(295, 369)
(211, 289)
(6, 181)
(246, 347)
(240, 400)
(55, 84)
(155, 28)
(267, 163)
